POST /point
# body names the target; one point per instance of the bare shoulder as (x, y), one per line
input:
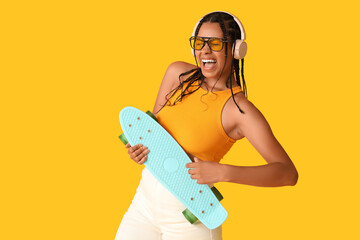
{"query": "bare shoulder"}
(245, 105)
(250, 117)
(179, 67)
(170, 81)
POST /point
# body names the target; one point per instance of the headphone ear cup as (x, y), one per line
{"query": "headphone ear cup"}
(240, 49)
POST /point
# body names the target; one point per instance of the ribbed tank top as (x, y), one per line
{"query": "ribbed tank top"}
(195, 122)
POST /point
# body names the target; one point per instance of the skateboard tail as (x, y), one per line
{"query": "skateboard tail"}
(220, 214)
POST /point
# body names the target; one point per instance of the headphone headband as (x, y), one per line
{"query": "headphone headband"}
(242, 30)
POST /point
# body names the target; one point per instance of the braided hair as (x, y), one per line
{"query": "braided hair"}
(233, 32)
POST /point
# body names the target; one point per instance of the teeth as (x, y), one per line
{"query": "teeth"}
(208, 60)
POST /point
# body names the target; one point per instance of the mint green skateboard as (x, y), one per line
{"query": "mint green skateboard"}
(166, 161)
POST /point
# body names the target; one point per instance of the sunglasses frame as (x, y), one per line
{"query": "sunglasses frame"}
(207, 42)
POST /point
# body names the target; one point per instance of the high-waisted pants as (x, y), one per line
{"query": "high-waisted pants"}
(155, 214)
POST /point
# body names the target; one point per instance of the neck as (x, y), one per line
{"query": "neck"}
(219, 84)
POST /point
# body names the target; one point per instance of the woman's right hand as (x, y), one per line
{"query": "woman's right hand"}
(138, 153)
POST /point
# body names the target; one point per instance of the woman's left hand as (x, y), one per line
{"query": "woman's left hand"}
(205, 172)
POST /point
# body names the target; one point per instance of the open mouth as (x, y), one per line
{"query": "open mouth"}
(208, 63)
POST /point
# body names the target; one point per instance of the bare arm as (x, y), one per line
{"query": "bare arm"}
(279, 170)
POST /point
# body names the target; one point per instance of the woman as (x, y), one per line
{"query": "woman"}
(202, 110)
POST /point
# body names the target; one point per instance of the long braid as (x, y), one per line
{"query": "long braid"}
(194, 75)
(233, 37)
(235, 33)
(243, 79)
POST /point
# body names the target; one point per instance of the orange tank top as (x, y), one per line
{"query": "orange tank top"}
(195, 122)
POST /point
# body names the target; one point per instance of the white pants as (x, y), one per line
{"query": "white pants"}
(155, 214)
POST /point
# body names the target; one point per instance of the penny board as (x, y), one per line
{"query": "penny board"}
(166, 161)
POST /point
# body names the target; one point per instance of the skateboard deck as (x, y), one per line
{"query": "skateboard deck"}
(166, 161)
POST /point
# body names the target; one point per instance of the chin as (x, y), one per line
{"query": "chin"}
(210, 74)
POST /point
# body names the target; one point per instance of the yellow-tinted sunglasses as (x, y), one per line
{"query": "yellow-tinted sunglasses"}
(215, 44)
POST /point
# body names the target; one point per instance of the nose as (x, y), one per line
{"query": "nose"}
(206, 47)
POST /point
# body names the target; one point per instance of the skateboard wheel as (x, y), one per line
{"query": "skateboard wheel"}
(123, 139)
(191, 217)
(217, 193)
(151, 115)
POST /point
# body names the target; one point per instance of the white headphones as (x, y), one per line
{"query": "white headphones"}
(240, 44)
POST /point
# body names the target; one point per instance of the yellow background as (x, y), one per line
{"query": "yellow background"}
(69, 67)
